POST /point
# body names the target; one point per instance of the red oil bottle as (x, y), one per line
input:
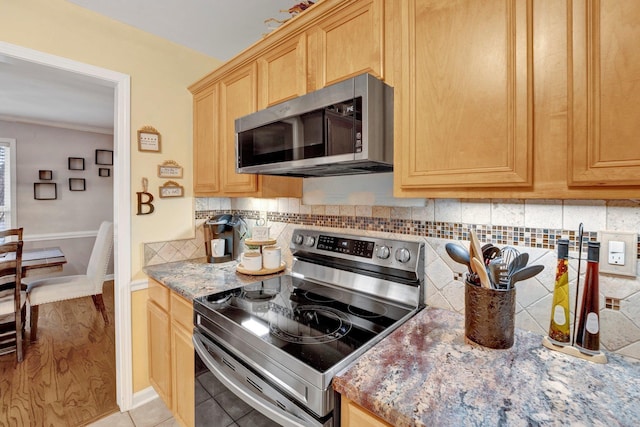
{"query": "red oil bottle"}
(588, 330)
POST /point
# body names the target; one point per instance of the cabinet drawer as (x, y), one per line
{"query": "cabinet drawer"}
(182, 311)
(159, 294)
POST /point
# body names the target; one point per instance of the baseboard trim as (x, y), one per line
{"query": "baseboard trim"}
(144, 396)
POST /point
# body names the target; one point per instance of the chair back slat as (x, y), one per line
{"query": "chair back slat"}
(11, 232)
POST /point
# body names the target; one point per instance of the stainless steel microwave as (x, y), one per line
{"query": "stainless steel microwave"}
(342, 129)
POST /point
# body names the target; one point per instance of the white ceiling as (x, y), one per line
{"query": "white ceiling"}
(219, 28)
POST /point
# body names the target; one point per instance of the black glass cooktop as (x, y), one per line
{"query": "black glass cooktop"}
(315, 323)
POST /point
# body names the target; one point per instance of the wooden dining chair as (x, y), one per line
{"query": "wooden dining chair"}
(17, 232)
(12, 302)
(53, 289)
(11, 234)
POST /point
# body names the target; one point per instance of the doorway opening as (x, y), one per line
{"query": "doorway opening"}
(122, 203)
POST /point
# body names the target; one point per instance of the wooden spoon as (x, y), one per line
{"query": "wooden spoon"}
(477, 248)
(481, 271)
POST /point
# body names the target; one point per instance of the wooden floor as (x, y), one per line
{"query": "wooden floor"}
(67, 377)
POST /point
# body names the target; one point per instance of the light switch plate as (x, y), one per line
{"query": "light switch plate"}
(626, 266)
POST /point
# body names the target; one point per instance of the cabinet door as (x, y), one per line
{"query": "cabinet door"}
(282, 72)
(158, 324)
(348, 42)
(604, 112)
(206, 159)
(182, 359)
(463, 101)
(237, 99)
(353, 415)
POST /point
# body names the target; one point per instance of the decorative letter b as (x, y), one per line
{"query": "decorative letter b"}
(148, 203)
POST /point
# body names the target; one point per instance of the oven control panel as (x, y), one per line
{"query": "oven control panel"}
(361, 248)
(381, 252)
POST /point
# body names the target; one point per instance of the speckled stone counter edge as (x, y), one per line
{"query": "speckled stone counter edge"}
(425, 374)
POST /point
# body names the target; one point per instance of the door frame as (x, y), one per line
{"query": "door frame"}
(121, 83)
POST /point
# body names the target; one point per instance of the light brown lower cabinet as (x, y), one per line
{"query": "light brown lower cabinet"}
(171, 358)
(353, 415)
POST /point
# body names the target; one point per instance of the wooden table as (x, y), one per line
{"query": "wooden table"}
(38, 261)
(42, 261)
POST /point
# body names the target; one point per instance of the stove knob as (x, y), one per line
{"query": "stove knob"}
(403, 255)
(298, 239)
(383, 252)
(309, 241)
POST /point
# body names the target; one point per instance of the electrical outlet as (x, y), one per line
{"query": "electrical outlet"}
(618, 252)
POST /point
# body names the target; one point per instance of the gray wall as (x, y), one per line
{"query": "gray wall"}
(71, 220)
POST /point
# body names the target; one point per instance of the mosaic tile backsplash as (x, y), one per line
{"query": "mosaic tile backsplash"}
(532, 227)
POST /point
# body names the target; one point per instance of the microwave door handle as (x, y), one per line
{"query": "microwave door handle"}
(247, 394)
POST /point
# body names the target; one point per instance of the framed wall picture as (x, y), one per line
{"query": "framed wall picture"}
(76, 163)
(45, 191)
(171, 189)
(149, 139)
(104, 172)
(45, 175)
(170, 169)
(77, 184)
(104, 157)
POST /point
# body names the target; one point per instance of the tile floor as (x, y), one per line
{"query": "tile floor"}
(151, 414)
(217, 405)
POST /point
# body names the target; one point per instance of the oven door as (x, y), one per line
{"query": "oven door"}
(249, 386)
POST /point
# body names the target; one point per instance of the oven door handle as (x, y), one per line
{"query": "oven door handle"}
(247, 394)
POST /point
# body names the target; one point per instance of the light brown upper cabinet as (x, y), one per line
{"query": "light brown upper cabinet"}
(282, 72)
(464, 95)
(346, 42)
(206, 181)
(604, 84)
(493, 99)
(237, 98)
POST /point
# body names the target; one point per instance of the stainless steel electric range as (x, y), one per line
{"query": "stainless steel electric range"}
(277, 343)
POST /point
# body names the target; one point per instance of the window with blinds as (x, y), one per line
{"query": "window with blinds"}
(7, 183)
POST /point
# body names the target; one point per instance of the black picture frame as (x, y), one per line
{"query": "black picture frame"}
(45, 191)
(76, 163)
(104, 172)
(104, 157)
(77, 184)
(45, 175)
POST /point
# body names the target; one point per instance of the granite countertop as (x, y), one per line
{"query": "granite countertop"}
(424, 374)
(196, 277)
